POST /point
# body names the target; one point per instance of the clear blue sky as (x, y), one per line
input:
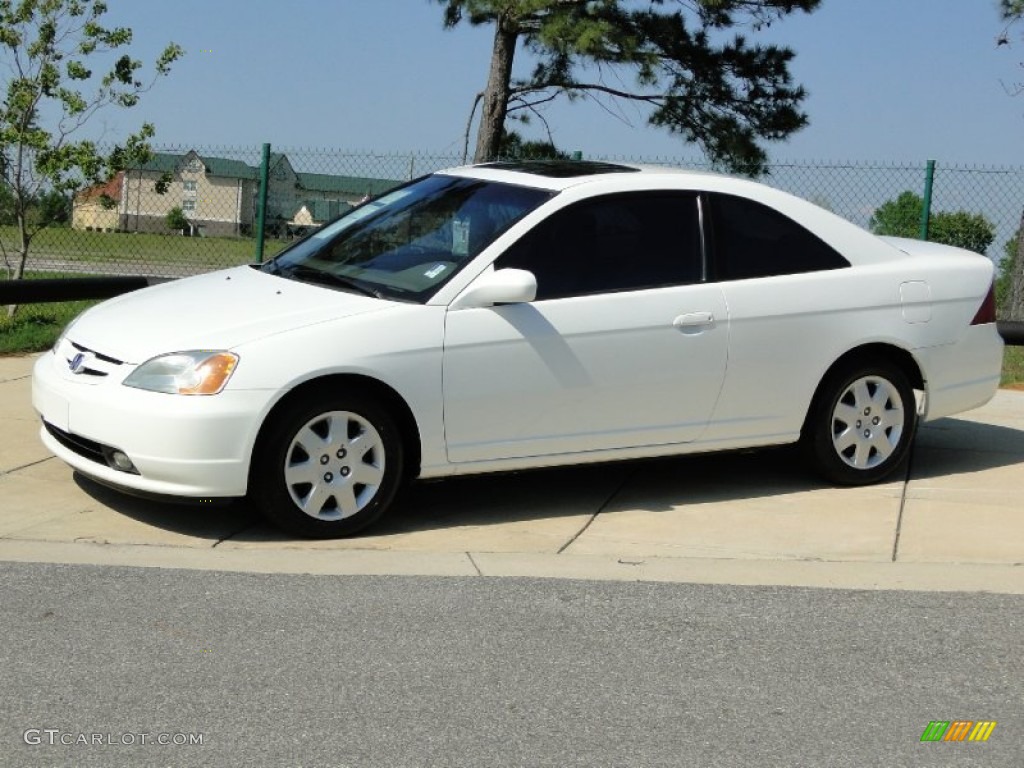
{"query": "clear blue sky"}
(889, 80)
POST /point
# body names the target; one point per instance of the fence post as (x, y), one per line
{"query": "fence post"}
(261, 205)
(926, 205)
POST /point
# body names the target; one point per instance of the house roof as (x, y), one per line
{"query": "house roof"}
(111, 189)
(323, 210)
(231, 169)
(165, 162)
(350, 185)
(161, 162)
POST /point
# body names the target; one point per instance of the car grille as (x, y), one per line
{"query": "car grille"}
(83, 446)
(92, 363)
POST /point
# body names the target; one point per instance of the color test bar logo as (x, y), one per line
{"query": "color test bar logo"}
(958, 730)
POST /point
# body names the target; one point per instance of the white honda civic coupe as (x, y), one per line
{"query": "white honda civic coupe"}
(518, 315)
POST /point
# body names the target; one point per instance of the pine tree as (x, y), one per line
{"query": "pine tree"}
(725, 94)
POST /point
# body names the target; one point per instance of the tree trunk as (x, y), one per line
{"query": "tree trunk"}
(1016, 292)
(496, 95)
(19, 269)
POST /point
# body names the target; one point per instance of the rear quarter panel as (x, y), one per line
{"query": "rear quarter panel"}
(787, 331)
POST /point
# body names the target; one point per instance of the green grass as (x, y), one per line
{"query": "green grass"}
(139, 247)
(36, 326)
(1013, 368)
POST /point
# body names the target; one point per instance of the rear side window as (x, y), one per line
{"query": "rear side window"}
(614, 243)
(753, 240)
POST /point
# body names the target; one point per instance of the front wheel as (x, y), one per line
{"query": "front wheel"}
(327, 468)
(861, 424)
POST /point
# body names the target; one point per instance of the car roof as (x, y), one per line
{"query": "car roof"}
(586, 177)
(557, 175)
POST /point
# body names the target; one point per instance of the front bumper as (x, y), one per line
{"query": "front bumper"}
(197, 446)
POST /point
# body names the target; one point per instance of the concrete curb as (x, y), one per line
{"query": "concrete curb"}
(919, 577)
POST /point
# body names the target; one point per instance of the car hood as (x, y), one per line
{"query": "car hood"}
(219, 310)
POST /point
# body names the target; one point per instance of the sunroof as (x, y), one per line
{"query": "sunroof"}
(560, 169)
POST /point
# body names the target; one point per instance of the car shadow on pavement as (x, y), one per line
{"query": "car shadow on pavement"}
(952, 446)
(942, 448)
(203, 520)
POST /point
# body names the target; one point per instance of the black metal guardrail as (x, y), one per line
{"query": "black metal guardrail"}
(69, 289)
(1012, 332)
(76, 288)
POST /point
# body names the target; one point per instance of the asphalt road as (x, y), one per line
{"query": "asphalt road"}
(276, 670)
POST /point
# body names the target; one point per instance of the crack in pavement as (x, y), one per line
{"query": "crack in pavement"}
(25, 466)
(903, 497)
(629, 476)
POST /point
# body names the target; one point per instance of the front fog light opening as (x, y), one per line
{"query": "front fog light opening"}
(117, 459)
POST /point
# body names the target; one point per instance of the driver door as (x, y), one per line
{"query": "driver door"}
(625, 346)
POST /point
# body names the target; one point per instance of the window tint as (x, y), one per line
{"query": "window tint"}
(614, 243)
(753, 240)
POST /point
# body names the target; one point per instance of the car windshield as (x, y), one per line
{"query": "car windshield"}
(407, 243)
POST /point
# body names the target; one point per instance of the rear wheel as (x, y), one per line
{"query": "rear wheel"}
(861, 424)
(327, 468)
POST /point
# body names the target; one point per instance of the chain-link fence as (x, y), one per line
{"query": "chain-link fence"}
(194, 209)
(191, 210)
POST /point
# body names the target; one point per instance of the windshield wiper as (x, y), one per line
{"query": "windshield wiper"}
(302, 272)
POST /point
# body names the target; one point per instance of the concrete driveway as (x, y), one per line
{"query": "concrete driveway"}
(956, 523)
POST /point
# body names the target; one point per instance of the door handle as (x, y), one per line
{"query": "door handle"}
(694, 321)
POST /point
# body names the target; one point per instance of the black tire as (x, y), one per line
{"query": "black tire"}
(327, 466)
(861, 424)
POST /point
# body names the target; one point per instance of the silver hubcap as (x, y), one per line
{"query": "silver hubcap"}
(334, 465)
(867, 422)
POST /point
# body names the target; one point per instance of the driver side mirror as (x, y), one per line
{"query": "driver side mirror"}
(501, 286)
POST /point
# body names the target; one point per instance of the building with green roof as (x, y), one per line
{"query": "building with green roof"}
(219, 195)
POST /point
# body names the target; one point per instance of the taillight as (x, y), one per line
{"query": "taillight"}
(987, 311)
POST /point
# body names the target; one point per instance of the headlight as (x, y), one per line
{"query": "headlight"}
(196, 372)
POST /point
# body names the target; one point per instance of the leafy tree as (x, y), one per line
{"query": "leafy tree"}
(723, 94)
(902, 218)
(898, 218)
(962, 229)
(54, 208)
(7, 216)
(1012, 12)
(1010, 285)
(1007, 268)
(176, 219)
(514, 146)
(48, 49)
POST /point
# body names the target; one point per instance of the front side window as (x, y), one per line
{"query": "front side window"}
(752, 240)
(409, 242)
(613, 243)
